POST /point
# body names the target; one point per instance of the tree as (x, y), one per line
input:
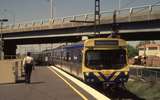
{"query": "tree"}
(132, 51)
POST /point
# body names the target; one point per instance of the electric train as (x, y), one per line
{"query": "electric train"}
(95, 61)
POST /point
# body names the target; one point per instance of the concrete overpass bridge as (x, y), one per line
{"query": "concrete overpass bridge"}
(139, 23)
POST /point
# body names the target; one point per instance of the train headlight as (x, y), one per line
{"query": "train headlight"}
(87, 74)
(126, 73)
(88, 80)
(92, 80)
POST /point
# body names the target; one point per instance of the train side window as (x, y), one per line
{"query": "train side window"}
(67, 56)
(75, 58)
(80, 58)
(76, 55)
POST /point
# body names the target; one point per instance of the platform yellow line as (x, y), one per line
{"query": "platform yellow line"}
(97, 95)
(84, 98)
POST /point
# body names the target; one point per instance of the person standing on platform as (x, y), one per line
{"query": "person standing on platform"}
(28, 66)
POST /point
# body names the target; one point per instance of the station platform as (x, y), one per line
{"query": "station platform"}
(46, 84)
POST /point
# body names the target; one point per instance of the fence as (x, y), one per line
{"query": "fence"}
(145, 73)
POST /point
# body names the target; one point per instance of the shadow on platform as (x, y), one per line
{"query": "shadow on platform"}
(23, 81)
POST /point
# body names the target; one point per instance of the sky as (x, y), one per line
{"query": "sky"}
(35, 10)
(23, 11)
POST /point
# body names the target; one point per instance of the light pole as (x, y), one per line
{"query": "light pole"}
(51, 8)
(51, 1)
(97, 15)
(2, 42)
(119, 4)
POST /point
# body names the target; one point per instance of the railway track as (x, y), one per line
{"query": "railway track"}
(118, 93)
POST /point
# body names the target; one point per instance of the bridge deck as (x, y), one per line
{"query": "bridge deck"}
(142, 13)
(45, 85)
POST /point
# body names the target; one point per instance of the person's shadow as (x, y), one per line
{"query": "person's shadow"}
(40, 82)
(34, 82)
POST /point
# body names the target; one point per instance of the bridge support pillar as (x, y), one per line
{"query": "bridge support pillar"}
(9, 50)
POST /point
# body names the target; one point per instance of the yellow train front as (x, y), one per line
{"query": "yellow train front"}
(105, 61)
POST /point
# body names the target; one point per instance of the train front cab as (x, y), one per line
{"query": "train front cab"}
(105, 61)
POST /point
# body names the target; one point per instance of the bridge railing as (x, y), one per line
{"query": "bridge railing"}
(147, 12)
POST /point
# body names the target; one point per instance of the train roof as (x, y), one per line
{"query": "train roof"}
(77, 45)
(71, 46)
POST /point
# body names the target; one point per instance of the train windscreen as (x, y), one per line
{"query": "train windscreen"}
(106, 59)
